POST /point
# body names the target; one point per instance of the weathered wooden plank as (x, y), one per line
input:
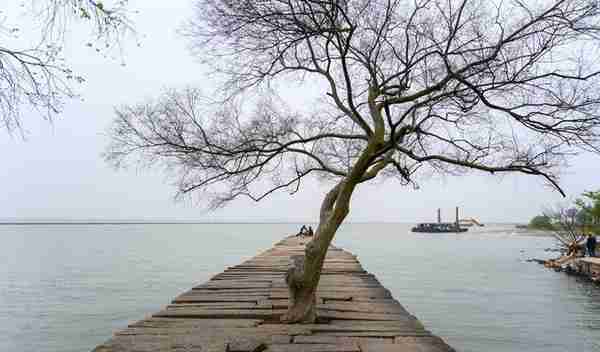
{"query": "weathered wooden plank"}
(379, 334)
(231, 292)
(345, 303)
(319, 338)
(238, 310)
(245, 344)
(336, 295)
(365, 307)
(231, 286)
(408, 344)
(349, 323)
(156, 322)
(163, 343)
(224, 305)
(363, 326)
(180, 312)
(334, 314)
(356, 291)
(323, 339)
(215, 298)
(329, 347)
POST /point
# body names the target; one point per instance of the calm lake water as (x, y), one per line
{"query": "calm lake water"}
(68, 287)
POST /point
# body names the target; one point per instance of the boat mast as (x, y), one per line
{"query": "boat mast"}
(457, 226)
(439, 215)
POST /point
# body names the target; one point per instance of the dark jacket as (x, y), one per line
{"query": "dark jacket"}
(591, 242)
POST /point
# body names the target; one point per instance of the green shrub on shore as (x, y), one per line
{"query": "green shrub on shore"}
(541, 222)
(583, 216)
(589, 209)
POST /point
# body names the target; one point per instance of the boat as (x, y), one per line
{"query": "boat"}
(439, 226)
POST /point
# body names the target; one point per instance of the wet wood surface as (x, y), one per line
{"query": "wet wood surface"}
(591, 260)
(238, 310)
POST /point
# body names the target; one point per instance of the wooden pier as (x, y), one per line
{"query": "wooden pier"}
(239, 310)
(589, 267)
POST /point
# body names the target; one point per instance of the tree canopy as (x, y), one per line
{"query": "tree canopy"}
(589, 207)
(443, 85)
(33, 72)
(570, 222)
(541, 222)
(410, 88)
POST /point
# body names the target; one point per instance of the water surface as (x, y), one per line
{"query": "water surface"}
(67, 287)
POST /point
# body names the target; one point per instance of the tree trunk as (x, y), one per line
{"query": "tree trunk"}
(302, 283)
(305, 271)
(302, 301)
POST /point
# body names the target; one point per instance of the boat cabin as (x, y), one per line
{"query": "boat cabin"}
(438, 227)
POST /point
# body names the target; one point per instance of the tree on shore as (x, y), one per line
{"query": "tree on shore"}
(563, 222)
(541, 222)
(589, 208)
(565, 228)
(35, 74)
(412, 88)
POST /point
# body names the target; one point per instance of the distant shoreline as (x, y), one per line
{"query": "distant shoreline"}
(107, 223)
(182, 222)
(20, 223)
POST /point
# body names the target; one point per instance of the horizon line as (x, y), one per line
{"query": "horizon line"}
(7, 222)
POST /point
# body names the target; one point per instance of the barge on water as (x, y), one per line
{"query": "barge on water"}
(440, 227)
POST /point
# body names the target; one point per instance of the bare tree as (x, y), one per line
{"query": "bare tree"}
(569, 234)
(413, 87)
(565, 227)
(38, 76)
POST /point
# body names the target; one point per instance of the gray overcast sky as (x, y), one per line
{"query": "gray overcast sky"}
(58, 172)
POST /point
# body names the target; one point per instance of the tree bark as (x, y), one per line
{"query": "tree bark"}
(305, 271)
(303, 283)
(302, 301)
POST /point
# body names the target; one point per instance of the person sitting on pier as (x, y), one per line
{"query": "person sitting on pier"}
(306, 231)
(591, 245)
(303, 231)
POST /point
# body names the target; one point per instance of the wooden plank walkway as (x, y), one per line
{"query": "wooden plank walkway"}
(591, 260)
(589, 267)
(239, 310)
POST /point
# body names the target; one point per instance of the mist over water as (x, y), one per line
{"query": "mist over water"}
(68, 287)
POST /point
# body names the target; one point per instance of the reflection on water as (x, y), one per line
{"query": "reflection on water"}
(66, 288)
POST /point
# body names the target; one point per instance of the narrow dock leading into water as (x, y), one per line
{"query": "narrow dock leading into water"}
(588, 266)
(238, 310)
